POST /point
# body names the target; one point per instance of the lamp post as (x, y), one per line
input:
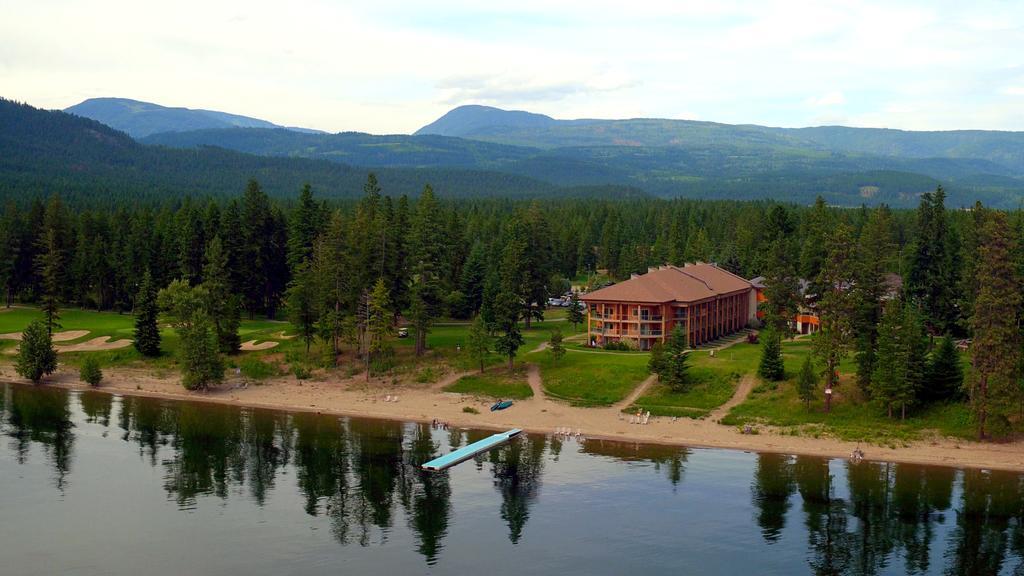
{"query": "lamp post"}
(828, 399)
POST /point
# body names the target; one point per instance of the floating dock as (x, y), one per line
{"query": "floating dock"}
(466, 452)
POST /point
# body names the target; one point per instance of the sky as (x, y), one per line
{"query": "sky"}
(392, 67)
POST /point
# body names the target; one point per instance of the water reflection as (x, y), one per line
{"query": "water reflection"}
(42, 418)
(664, 458)
(362, 479)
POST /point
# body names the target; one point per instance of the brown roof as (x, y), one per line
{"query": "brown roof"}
(719, 280)
(691, 283)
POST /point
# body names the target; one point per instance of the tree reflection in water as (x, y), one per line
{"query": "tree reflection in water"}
(40, 417)
(364, 478)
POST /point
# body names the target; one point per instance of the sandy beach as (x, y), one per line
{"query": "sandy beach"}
(356, 397)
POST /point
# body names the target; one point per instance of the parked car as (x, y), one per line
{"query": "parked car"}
(403, 332)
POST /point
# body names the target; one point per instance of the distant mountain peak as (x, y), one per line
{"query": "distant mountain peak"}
(140, 119)
(472, 118)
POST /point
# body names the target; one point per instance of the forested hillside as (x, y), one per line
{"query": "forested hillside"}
(667, 158)
(45, 152)
(495, 125)
(140, 119)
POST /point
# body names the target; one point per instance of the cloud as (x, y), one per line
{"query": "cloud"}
(506, 89)
(834, 98)
(393, 65)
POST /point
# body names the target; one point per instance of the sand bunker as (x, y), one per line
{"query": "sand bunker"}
(57, 336)
(251, 345)
(284, 336)
(94, 345)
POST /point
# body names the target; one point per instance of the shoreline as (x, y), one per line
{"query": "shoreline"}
(355, 398)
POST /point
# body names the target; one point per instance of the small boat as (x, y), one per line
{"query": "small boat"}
(501, 405)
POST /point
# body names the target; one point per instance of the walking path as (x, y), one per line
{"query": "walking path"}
(533, 377)
(448, 380)
(742, 391)
(636, 393)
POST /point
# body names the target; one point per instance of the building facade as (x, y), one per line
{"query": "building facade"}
(705, 300)
(807, 320)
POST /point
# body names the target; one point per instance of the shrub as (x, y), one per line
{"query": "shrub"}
(470, 410)
(256, 369)
(36, 357)
(90, 371)
(623, 346)
(301, 372)
(427, 375)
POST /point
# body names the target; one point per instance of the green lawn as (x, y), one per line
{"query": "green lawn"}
(446, 339)
(714, 380)
(851, 418)
(496, 383)
(122, 326)
(590, 378)
(709, 390)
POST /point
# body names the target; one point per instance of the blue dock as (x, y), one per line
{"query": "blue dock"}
(466, 452)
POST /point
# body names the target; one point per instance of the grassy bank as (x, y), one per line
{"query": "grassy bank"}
(851, 418)
(496, 383)
(591, 378)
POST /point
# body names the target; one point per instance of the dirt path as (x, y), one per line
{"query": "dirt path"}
(742, 391)
(636, 393)
(536, 384)
(449, 379)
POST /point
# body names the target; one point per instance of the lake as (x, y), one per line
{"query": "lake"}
(101, 484)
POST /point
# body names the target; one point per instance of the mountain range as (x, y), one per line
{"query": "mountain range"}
(48, 151)
(140, 119)
(663, 157)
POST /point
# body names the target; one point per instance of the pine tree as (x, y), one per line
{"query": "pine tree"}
(147, 331)
(656, 363)
(479, 341)
(815, 247)
(427, 251)
(473, 276)
(995, 350)
(506, 312)
(782, 284)
(379, 326)
(301, 300)
(771, 366)
(303, 228)
(575, 314)
(191, 242)
(807, 382)
(9, 245)
(260, 239)
(36, 356)
(934, 263)
(676, 373)
(50, 264)
(555, 344)
(870, 289)
(915, 343)
(835, 306)
(90, 371)
(223, 306)
(945, 374)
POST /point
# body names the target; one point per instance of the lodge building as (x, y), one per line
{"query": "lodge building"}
(707, 301)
